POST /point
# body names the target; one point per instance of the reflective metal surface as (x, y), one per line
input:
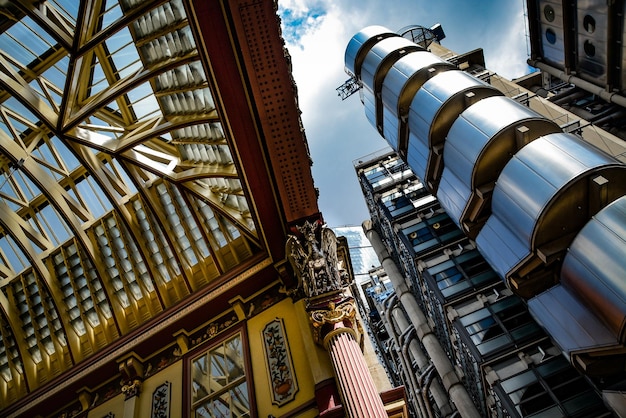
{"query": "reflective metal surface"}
(433, 110)
(569, 322)
(477, 148)
(360, 44)
(543, 197)
(371, 72)
(551, 28)
(592, 41)
(378, 62)
(400, 85)
(595, 267)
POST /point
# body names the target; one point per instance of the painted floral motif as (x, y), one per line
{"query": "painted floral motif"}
(283, 382)
(161, 401)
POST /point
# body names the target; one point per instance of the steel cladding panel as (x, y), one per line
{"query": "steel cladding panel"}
(417, 156)
(551, 32)
(422, 112)
(453, 194)
(390, 127)
(536, 173)
(571, 325)
(519, 197)
(356, 43)
(595, 266)
(501, 247)
(429, 100)
(400, 73)
(378, 52)
(369, 104)
(592, 40)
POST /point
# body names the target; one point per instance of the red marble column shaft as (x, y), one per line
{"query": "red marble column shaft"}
(360, 396)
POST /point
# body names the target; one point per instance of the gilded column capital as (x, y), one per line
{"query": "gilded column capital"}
(335, 318)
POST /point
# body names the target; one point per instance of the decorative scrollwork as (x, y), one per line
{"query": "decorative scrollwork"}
(131, 389)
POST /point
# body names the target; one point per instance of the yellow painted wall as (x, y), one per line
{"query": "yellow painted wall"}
(114, 405)
(172, 373)
(300, 358)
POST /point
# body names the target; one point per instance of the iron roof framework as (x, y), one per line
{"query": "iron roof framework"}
(119, 191)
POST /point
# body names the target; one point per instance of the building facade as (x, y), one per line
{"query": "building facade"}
(497, 216)
(162, 253)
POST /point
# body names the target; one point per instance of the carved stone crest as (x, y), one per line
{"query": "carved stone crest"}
(313, 257)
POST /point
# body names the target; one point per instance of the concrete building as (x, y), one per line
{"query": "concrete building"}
(498, 217)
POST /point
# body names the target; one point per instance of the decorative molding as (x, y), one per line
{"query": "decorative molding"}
(131, 389)
(161, 401)
(280, 368)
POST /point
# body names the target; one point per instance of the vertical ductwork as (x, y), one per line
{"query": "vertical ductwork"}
(451, 382)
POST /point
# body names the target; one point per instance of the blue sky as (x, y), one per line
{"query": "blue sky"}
(317, 33)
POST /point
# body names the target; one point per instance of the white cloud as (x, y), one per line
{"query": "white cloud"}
(338, 131)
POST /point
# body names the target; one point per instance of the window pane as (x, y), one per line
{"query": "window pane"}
(219, 382)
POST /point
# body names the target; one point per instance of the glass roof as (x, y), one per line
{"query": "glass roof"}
(119, 194)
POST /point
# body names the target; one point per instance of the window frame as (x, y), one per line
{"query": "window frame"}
(203, 349)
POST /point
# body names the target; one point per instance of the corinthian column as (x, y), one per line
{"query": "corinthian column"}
(321, 281)
(340, 334)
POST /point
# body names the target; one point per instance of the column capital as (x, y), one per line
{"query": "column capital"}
(131, 371)
(334, 318)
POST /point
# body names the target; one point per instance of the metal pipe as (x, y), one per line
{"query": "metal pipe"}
(451, 382)
(426, 379)
(611, 97)
(407, 337)
(390, 306)
(439, 394)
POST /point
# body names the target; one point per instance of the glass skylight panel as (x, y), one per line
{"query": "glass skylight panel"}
(92, 197)
(54, 226)
(69, 160)
(38, 90)
(187, 75)
(8, 192)
(66, 8)
(20, 119)
(150, 240)
(199, 133)
(159, 18)
(57, 73)
(176, 43)
(28, 189)
(122, 50)
(25, 41)
(8, 351)
(143, 102)
(114, 166)
(214, 225)
(29, 296)
(109, 262)
(98, 79)
(12, 254)
(131, 261)
(111, 14)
